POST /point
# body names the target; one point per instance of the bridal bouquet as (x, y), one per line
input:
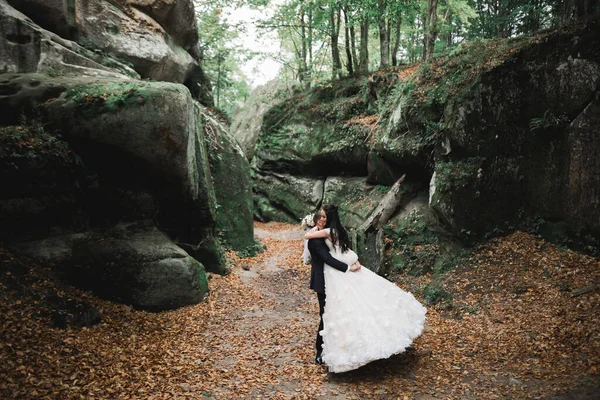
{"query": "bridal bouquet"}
(308, 221)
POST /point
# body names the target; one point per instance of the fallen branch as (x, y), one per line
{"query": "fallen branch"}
(583, 290)
(386, 208)
(370, 232)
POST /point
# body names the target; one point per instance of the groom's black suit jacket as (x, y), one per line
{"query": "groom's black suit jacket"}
(319, 253)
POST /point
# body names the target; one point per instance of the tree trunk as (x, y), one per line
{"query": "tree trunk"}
(335, 50)
(349, 65)
(384, 36)
(385, 209)
(353, 43)
(396, 45)
(309, 45)
(363, 65)
(218, 80)
(303, 66)
(448, 20)
(370, 232)
(430, 30)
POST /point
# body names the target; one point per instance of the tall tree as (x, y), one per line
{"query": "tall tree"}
(347, 37)
(334, 26)
(363, 64)
(384, 34)
(430, 29)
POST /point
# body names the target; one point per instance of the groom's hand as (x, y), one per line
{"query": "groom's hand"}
(355, 267)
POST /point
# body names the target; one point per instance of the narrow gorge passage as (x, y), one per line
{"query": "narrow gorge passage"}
(261, 331)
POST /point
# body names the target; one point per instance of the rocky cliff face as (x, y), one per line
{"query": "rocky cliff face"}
(106, 176)
(499, 135)
(157, 39)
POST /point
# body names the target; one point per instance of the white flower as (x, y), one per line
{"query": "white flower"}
(308, 221)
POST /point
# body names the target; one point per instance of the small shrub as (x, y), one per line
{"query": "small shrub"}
(434, 294)
(251, 251)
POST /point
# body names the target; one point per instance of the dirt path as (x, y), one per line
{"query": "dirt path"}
(514, 332)
(276, 329)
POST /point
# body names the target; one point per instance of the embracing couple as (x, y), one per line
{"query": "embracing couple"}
(364, 317)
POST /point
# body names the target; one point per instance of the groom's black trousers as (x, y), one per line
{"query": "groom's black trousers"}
(321, 297)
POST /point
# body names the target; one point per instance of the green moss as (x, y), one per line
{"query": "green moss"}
(110, 97)
(453, 175)
(202, 278)
(312, 123)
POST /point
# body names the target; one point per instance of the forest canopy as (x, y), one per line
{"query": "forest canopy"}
(330, 39)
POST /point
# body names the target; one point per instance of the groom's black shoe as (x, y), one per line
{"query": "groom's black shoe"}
(318, 359)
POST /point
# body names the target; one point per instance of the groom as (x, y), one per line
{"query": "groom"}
(319, 253)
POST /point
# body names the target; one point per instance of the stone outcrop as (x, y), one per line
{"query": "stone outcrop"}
(248, 119)
(305, 137)
(26, 47)
(131, 263)
(128, 150)
(89, 150)
(233, 187)
(284, 197)
(520, 143)
(161, 50)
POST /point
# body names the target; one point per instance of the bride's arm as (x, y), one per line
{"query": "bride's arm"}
(316, 234)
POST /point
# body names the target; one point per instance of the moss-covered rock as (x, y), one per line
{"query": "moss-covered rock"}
(416, 242)
(138, 265)
(127, 151)
(315, 133)
(230, 172)
(494, 122)
(286, 198)
(355, 197)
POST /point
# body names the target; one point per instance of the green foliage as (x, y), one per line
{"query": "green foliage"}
(110, 97)
(252, 251)
(547, 121)
(435, 294)
(29, 143)
(453, 175)
(222, 55)
(448, 262)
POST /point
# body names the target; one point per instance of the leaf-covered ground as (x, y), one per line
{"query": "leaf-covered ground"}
(514, 331)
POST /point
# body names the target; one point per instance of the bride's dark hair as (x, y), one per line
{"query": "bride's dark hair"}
(338, 234)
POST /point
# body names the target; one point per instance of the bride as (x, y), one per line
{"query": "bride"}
(366, 316)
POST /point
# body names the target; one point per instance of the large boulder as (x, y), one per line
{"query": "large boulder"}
(286, 198)
(521, 143)
(150, 133)
(136, 265)
(177, 17)
(315, 135)
(248, 119)
(25, 47)
(416, 242)
(355, 197)
(131, 263)
(156, 50)
(136, 39)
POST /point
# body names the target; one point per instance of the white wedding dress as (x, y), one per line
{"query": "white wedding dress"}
(366, 316)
